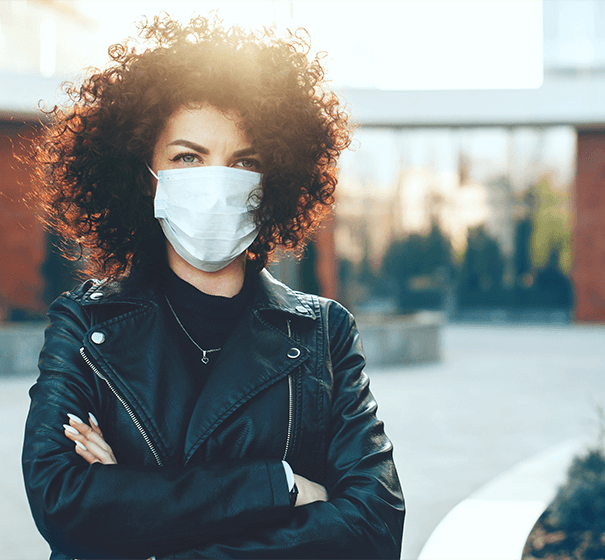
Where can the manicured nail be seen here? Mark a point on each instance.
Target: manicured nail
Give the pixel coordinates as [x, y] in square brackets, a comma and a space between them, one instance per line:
[70, 429]
[81, 445]
[93, 419]
[75, 418]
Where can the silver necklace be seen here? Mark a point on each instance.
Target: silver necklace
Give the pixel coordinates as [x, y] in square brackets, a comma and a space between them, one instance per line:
[205, 358]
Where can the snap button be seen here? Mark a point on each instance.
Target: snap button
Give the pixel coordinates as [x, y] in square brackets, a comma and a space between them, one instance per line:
[96, 296]
[293, 353]
[301, 309]
[97, 337]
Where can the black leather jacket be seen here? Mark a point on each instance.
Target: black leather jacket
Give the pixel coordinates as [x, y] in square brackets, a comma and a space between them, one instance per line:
[201, 477]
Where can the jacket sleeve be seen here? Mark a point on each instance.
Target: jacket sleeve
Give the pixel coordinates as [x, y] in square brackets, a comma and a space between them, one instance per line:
[153, 510]
[364, 515]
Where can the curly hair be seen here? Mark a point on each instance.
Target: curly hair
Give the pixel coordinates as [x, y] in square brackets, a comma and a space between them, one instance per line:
[90, 162]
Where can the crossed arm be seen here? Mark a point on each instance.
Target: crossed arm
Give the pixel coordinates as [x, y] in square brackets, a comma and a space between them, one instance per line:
[92, 447]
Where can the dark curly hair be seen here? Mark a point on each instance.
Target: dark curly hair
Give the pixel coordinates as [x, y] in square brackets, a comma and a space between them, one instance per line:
[90, 162]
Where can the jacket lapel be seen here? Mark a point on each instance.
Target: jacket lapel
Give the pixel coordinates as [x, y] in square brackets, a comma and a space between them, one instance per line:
[254, 357]
[141, 359]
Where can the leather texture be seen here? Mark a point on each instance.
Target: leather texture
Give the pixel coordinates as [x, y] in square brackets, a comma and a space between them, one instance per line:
[201, 476]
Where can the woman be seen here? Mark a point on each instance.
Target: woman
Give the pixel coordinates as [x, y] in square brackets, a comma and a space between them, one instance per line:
[189, 405]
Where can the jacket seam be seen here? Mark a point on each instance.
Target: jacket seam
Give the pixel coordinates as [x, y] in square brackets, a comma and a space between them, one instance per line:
[118, 318]
[321, 389]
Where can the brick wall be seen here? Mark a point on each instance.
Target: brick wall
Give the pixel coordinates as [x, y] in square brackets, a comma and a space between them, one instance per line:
[326, 267]
[22, 238]
[589, 232]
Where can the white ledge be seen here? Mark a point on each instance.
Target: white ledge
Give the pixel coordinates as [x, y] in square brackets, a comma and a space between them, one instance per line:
[561, 100]
[495, 521]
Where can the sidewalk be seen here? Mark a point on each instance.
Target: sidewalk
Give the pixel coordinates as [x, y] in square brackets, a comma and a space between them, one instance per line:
[19, 538]
[500, 396]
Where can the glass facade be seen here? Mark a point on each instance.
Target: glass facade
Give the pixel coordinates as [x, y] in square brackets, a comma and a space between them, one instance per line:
[504, 192]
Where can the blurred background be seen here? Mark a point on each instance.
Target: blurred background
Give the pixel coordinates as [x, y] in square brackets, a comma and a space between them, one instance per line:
[472, 187]
[468, 236]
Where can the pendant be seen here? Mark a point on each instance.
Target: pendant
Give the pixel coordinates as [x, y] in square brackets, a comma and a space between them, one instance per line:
[205, 358]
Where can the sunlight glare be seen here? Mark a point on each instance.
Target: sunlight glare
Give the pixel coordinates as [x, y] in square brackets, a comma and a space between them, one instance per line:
[384, 44]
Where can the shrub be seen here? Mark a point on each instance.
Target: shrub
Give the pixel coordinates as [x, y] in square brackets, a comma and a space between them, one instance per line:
[580, 503]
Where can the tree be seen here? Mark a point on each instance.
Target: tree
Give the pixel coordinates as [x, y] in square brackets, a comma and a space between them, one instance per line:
[551, 229]
[482, 271]
[416, 268]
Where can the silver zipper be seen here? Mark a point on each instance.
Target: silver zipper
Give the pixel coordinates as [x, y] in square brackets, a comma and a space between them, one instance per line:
[290, 404]
[125, 405]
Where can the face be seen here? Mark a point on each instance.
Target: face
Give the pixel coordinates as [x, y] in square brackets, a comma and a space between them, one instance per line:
[202, 137]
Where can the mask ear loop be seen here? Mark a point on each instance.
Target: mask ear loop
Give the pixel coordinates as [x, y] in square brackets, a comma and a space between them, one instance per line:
[152, 171]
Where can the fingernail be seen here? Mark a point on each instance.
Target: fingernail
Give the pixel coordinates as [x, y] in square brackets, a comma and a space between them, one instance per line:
[70, 429]
[74, 418]
[93, 419]
[81, 446]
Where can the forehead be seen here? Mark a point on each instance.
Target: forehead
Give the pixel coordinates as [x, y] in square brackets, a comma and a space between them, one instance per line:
[204, 122]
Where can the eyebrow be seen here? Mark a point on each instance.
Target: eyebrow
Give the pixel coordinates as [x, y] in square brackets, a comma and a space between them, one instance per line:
[203, 150]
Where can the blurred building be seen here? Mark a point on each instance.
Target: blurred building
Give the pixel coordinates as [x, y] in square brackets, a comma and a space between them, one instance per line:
[40, 41]
[566, 115]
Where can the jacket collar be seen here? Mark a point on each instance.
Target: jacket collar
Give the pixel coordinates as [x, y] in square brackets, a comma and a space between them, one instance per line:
[269, 294]
[272, 295]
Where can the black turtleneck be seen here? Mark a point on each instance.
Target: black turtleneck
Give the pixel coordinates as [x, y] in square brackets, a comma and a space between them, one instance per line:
[208, 320]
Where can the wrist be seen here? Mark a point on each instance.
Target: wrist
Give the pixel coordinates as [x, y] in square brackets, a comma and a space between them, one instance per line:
[293, 495]
[290, 479]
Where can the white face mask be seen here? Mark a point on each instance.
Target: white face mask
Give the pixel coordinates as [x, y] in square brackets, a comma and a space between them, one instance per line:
[206, 213]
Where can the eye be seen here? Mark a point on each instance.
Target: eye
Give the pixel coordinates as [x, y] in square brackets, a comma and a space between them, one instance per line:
[248, 164]
[187, 158]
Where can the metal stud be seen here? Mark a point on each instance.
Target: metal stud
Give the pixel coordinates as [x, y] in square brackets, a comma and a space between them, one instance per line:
[293, 353]
[301, 309]
[96, 296]
[97, 337]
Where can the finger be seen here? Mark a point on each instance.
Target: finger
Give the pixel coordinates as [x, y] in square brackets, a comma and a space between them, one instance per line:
[89, 434]
[94, 424]
[80, 448]
[82, 443]
[77, 421]
[98, 446]
[89, 449]
[85, 454]
[103, 456]
[93, 442]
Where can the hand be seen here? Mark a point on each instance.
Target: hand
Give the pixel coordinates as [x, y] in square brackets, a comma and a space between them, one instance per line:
[96, 449]
[309, 491]
[89, 441]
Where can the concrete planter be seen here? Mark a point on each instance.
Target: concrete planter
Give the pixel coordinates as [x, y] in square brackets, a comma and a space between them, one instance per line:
[401, 339]
[20, 344]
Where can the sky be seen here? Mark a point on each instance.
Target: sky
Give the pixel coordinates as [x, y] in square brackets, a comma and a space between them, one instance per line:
[385, 44]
